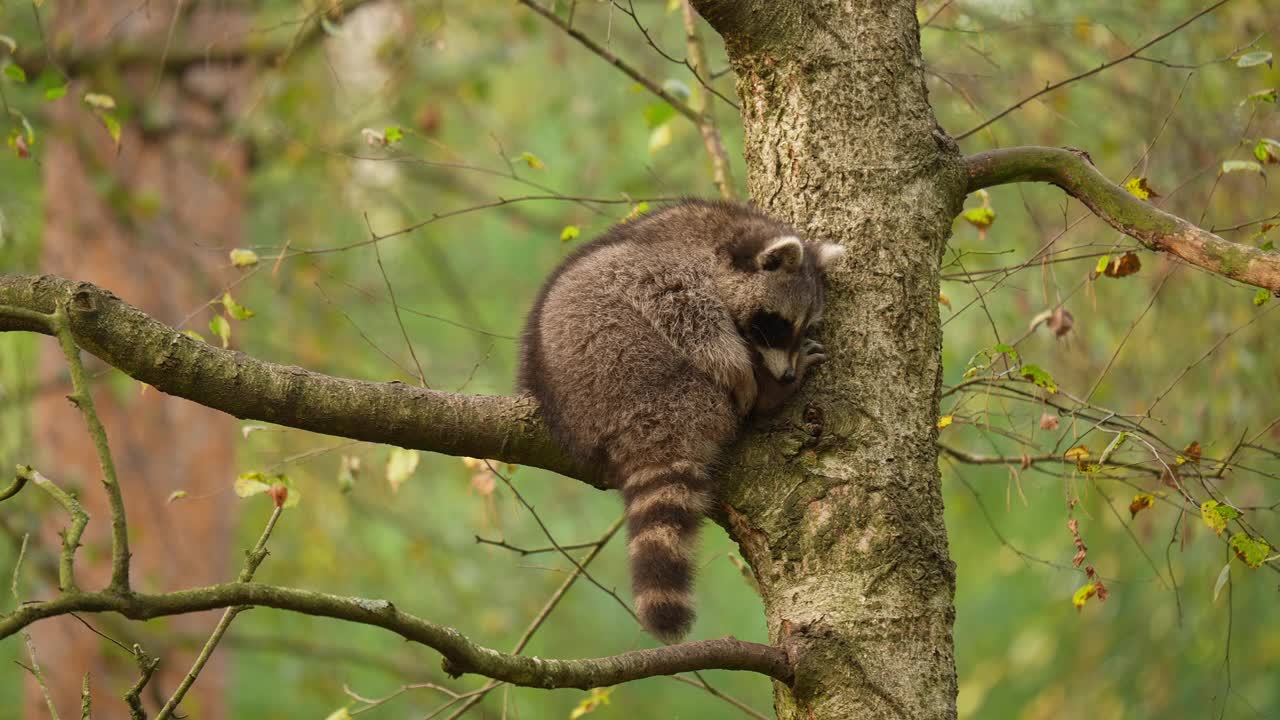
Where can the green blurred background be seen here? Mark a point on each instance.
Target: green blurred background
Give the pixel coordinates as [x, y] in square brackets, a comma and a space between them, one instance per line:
[474, 86]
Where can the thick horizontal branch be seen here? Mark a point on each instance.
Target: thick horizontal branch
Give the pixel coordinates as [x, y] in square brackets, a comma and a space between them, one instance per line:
[461, 655]
[485, 426]
[1154, 228]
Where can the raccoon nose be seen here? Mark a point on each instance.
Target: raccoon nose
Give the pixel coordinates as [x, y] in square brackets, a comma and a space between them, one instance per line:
[788, 377]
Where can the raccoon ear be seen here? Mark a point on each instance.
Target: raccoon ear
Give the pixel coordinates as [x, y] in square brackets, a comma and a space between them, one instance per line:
[827, 254]
[783, 253]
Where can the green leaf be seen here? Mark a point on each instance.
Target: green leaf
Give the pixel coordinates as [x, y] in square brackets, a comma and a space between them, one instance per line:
[221, 328]
[658, 114]
[56, 92]
[570, 232]
[1101, 267]
[1223, 574]
[1230, 166]
[251, 483]
[112, 125]
[1216, 515]
[393, 134]
[1257, 57]
[15, 73]
[637, 210]
[347, 473]
[1250, 551]
[1268, 95]
[533, 161]
[1267, 246]
[256, 483]
[1037, 375]
[242, 258]
[400, 467]
[1261, 297]
[980, 217]
[193, 335]
[1008, 350]
[1267, 151]
[235, 309]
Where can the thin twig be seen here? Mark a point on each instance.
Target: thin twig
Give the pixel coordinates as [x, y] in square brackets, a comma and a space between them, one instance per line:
[70, 536]
[1109, 64]
[253, 559]
[395, 307]
[707, 124]
[595, 47]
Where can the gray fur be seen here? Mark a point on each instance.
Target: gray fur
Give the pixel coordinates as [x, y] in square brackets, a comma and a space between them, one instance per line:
[647, 347]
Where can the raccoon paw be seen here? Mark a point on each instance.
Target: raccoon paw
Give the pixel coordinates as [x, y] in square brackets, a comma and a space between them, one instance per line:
[812, 354]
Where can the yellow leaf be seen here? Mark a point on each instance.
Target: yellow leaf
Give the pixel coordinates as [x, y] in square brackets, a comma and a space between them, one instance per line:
[1083, 594]
[944, 300]
[243, 258]
[1139, 188]
[1078, 452]
[1216, 515]
[598, 697]
[945, 420]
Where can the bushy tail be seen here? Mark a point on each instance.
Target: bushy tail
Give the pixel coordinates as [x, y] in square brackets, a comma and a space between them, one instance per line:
[665, 505]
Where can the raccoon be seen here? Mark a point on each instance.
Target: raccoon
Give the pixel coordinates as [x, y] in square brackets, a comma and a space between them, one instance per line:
[647, 347]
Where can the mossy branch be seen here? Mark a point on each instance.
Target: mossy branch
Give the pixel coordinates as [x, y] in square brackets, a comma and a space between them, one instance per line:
[71, 536]
[1155, 229]
[488, 426]
[461, 655]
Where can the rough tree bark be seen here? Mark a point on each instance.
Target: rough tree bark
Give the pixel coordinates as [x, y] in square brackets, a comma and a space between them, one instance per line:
[838, 507]
[157, 234]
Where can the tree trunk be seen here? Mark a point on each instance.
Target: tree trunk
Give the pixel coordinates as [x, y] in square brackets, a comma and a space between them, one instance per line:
[838, 507]
[153, 222]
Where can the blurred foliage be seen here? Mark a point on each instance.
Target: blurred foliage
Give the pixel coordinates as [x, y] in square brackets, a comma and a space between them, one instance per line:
[409, 115]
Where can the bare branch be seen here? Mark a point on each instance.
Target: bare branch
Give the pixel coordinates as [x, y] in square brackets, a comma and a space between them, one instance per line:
[461, 655]
[488, 426]
[1109, 64]
[1154, 228]
[707, 124]
[252, 560]
[607, 54]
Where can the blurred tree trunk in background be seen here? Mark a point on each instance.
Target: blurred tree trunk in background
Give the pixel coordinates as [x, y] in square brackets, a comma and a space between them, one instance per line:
[153, 221]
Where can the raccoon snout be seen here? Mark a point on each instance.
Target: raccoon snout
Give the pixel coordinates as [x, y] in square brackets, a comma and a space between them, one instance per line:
[788, 377]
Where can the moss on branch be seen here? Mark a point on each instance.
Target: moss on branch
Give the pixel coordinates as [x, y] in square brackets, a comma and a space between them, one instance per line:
[489, 426]
[461, 655]
[1157, 230]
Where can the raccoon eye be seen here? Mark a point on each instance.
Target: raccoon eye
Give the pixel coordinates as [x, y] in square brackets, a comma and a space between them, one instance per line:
[770, 329]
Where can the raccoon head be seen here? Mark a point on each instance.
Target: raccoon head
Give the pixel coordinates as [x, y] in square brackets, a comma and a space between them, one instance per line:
[775, 292]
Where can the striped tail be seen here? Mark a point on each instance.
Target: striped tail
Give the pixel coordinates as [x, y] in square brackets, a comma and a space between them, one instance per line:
[665, 505]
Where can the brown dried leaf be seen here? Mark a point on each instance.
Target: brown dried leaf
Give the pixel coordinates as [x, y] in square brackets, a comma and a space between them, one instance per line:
[1141, 501]
[1048, 422]
[1123, 266]
[1060, 322]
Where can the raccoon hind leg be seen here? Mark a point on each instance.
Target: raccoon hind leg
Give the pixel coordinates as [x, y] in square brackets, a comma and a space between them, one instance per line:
[664, 505]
